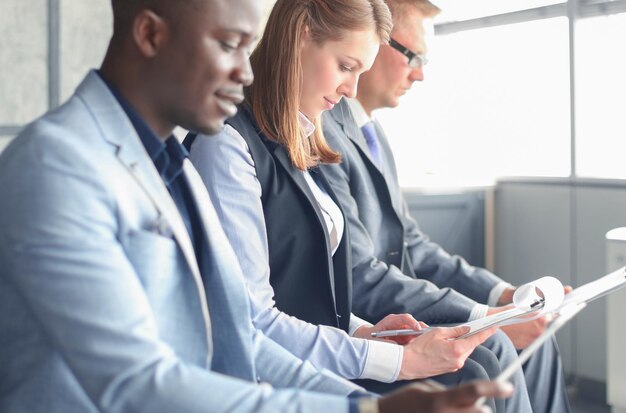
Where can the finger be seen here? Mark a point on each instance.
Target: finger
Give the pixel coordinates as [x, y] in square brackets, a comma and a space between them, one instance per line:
[473, 409]
[422, 325]
[403, 320]
[568, 289]
[480, 337]
[402, 340]
[451, 332]
[468, 394]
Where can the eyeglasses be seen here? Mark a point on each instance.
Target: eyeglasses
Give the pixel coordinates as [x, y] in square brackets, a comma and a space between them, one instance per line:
[415, 60]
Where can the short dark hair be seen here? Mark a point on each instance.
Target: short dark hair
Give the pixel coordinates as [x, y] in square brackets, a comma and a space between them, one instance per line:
[124, 11]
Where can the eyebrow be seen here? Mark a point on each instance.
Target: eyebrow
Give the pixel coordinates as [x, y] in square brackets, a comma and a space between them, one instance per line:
[241, 32]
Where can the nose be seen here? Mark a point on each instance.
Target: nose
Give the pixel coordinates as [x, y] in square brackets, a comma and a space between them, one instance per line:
[243, 72]
[348, 88]
[417, 74]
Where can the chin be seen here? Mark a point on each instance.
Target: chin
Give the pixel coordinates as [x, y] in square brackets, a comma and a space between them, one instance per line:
[393, 103]
[210, 128]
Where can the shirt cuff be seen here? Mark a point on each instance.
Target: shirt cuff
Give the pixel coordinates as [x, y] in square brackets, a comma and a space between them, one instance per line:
[496, 292]
[356, 323]
[383, 361]
[367, 405]
[479, 311]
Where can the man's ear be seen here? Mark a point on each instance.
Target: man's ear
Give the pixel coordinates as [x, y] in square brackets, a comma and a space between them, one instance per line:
[150, 31]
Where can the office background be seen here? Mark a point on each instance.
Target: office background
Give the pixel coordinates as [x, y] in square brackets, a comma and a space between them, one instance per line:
[517, 159]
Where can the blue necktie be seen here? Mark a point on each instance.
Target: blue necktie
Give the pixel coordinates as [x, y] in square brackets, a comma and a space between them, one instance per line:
[371, 137]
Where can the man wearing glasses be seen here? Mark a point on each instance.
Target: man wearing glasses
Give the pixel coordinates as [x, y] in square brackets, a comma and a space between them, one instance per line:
[386, 241]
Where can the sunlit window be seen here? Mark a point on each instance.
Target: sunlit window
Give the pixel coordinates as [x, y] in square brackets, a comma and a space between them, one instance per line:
[495, 102]
[455, 10]
[601, 97]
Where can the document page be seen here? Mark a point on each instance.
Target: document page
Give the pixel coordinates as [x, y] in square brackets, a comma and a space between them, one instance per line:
[597, 288]
[530, 301]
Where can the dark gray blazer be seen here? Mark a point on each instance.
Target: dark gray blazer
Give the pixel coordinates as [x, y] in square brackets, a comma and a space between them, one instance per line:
[386, 241]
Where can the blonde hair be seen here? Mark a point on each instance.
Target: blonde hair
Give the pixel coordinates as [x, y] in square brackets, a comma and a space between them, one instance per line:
[400, 9]
[275, 94]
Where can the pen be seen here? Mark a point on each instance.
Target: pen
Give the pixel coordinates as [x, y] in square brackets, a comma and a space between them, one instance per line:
[403, 332]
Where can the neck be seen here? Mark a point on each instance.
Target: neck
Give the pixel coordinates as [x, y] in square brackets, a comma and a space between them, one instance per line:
[126, 78]
[367, 106]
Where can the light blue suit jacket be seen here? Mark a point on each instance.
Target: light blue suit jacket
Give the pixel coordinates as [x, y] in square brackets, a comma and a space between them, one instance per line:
[103, 305]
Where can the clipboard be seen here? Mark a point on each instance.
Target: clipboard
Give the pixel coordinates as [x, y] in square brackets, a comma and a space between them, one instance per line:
[565, 314]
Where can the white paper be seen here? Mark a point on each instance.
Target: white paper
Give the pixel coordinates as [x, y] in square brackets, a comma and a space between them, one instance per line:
[597, 288]
[537, 298]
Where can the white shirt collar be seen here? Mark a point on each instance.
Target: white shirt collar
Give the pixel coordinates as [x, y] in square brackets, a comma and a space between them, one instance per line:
[307, 126]
[358, 112]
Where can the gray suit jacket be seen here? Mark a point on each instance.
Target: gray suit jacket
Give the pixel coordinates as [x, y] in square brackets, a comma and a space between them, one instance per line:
[385, 237]
[103, 304]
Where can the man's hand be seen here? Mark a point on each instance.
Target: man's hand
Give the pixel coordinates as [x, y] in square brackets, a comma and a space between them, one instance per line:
[392, 322]
[429, 397]
[507, 295]
[522, 334]
[435, 352]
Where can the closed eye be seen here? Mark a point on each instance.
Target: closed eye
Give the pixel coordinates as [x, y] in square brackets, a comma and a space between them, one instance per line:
[228, 47]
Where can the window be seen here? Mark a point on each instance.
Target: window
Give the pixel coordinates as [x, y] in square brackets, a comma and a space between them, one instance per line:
[455, 10]
[493, 98]
[601, 97]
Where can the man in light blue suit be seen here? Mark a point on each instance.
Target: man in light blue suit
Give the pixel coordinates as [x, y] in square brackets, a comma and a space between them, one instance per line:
[118, 294]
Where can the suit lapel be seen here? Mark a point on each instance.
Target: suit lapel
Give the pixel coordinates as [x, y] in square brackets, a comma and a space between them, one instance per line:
[118, 131]
[341, 113]
[143, 171]
[297, 176]
[225, 288]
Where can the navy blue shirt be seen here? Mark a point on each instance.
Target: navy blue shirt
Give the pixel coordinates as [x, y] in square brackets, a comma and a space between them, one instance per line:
[168, 157]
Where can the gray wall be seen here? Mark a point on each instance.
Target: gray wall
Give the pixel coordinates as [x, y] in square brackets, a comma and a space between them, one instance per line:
[542, 227]
[47, 48]
[558, 228]
[24, 59]
[454, 221]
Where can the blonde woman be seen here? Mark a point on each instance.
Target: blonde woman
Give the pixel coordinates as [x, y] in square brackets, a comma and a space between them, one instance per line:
[282, 218]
